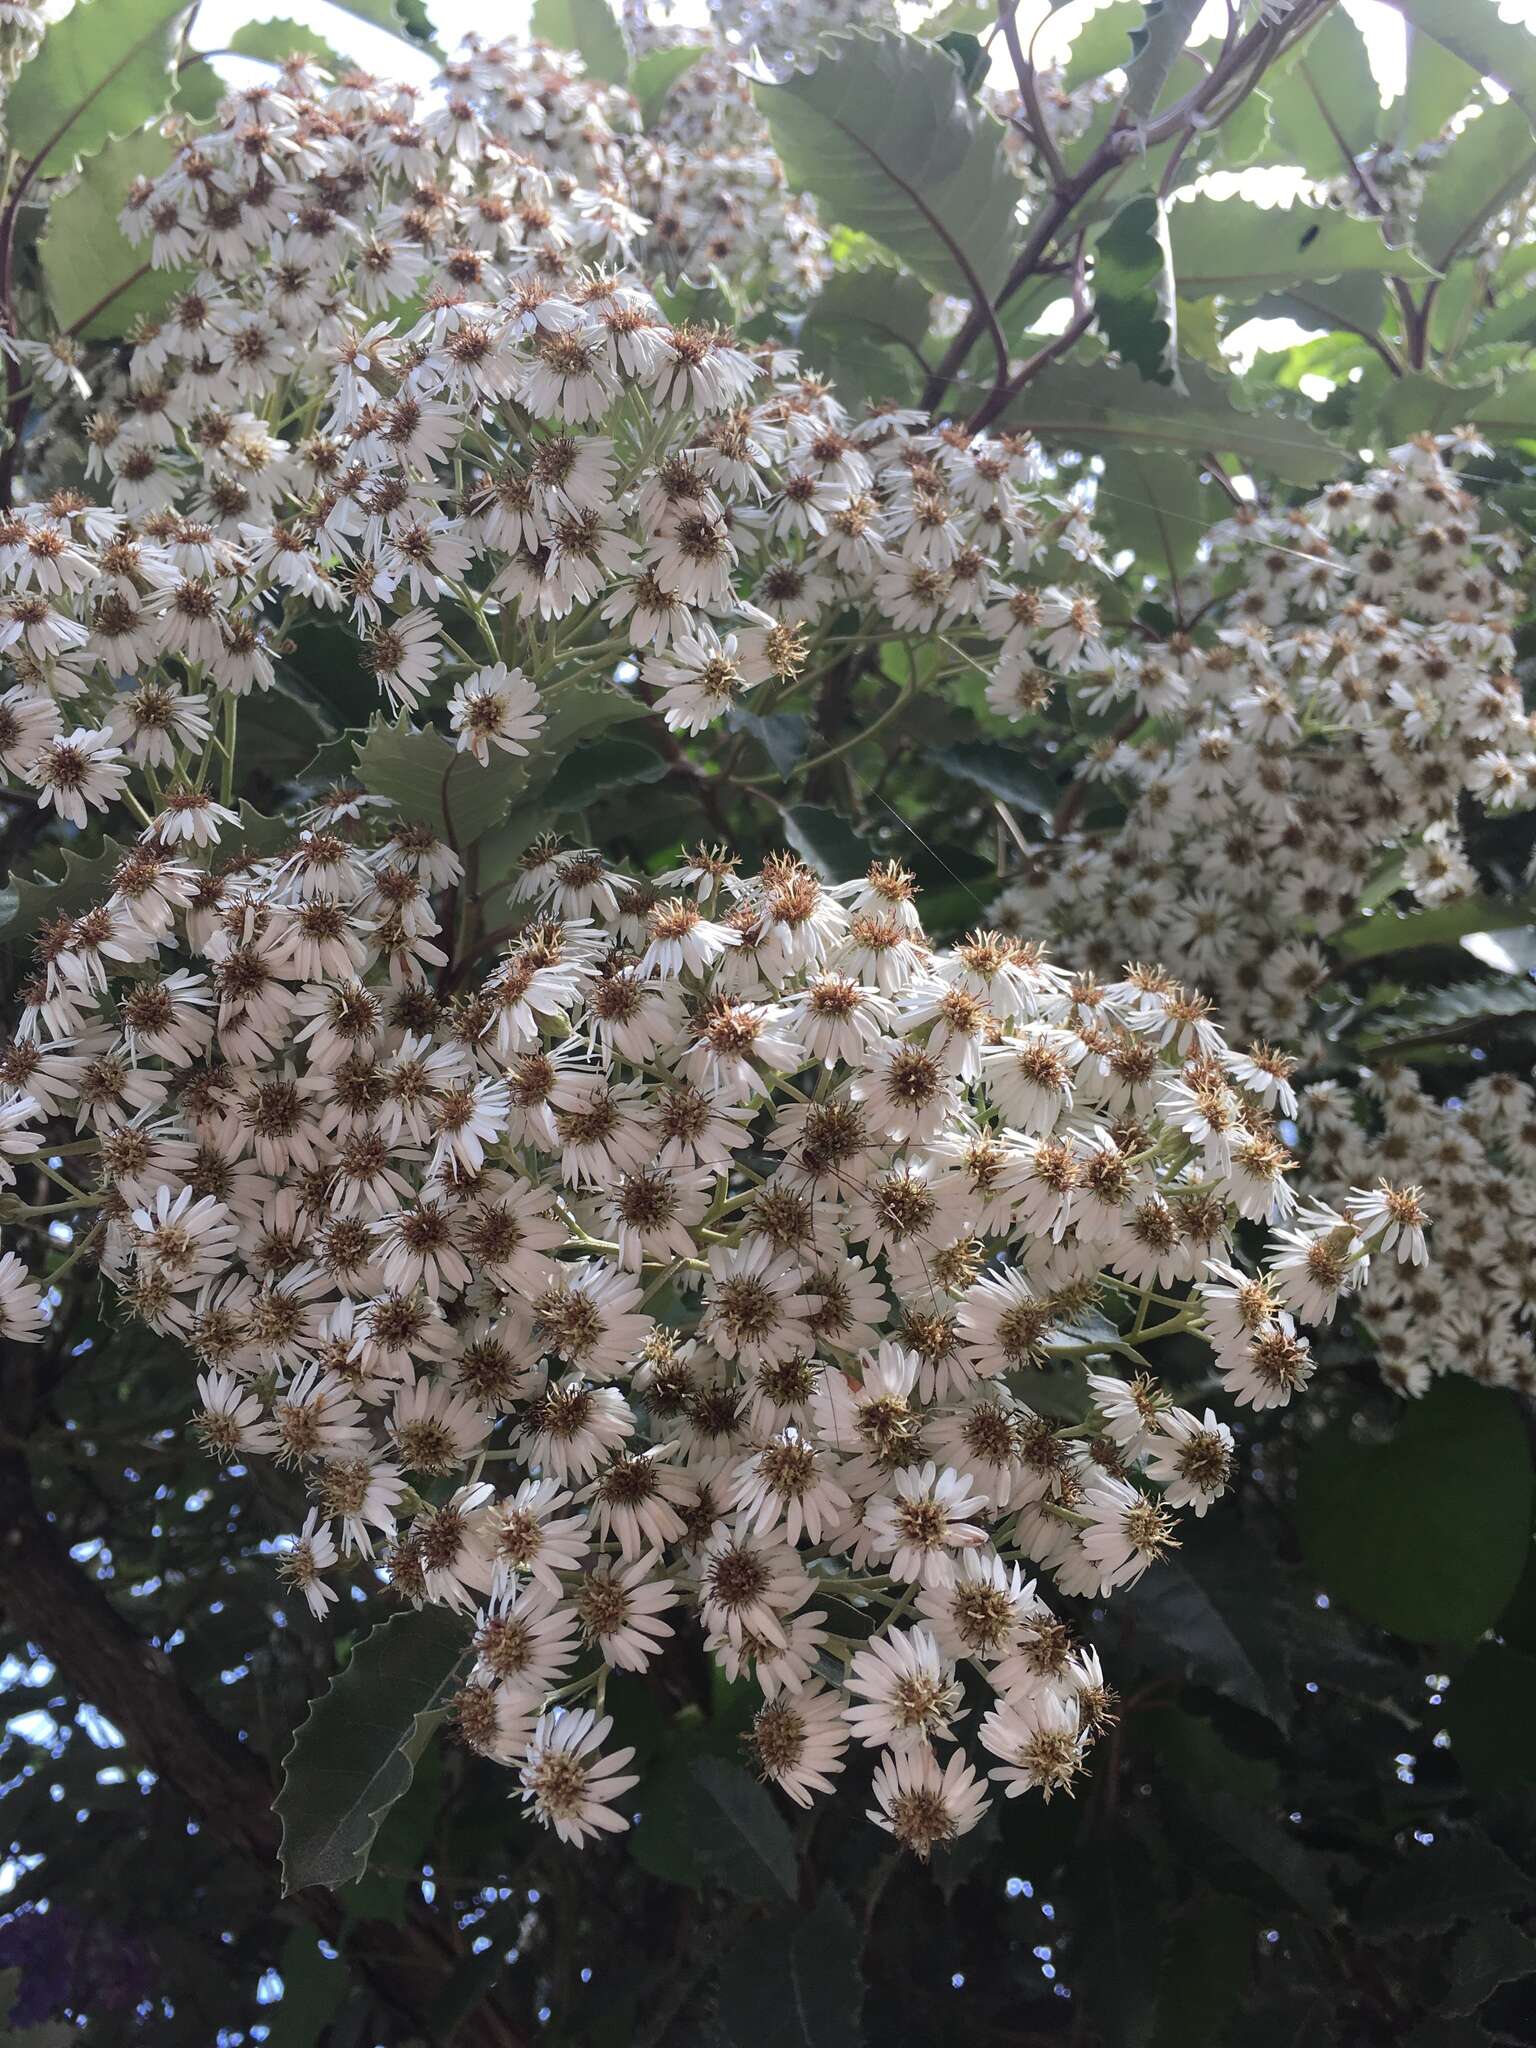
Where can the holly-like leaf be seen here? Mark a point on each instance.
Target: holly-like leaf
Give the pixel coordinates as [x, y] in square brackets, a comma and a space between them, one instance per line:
[1477, 33]
[1418, 402]
[1008, 773]
[26, 901]
[1427, 1533]
[1157, 45]
[1385, 932]
[706, 1821]
[794, 1981]
[274, 41]
[784, 736]
[98, 281]
[1103, 42]
[314, 1985]
[1204, 1614]
[1094, 407]
[104, 70]
[655, 74]
[1508, 412]
[826, 842]
[1491, 161]
[1449, 1012]
[1205, 1972]
[599, 769]
[430, 782]
[1326, 103]
[893, 305]
[355, 1753]
[1459, 1875]
[1241, 249]
[1489, 1712]
[1436, 88]
[1160, 505]
[1490, 1953]
[880, 130]
[865, 329]
[407, 19]
[1133, 289]
[591, 29]
[1119, 1944]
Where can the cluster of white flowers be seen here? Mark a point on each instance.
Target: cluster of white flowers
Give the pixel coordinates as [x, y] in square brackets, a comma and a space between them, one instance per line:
[540, 462]
[1471, 1308]
[714, 192]
[700, 1256]
[1349, 687]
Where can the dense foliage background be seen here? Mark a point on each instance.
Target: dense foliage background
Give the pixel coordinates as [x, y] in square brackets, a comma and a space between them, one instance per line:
[1315, 1819]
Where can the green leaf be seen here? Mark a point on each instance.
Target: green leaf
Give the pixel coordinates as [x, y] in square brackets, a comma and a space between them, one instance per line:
[826, 842]
[1356, 300]
[1427, 1533]
[1437, 87]
[1490, 1953]
[896, 306]
[576, 707]
[969, 54]
[1326, 102]
[784, 736]
[407, 19]
[1133, 289]
[1490, 1711]
[279, 38]
[98, 282]
[1207, 1616]
[30, 900]
[599, 769]
[314, 1986]
[1157, 43]
[1118, 1946]
[1242, 249]
[1450, 1012]
[281, 729]
[1419, 403]
[1076, 405]
[880, 130]
[1490, 162]
[1103, 43]
[1508, 413]
[1475, 31]
[1205, 1972]
[1262, 1843]
[864, 369]
[1460, 1875]
[103, 71]
[794, 1981]
[1245, 134]
[430, 782]
[199, 89]
[1159, 505]
[591, 29]
[354, 1754]
[706, 1821]
[656, 73]
[1002, 771]
[1383, 932]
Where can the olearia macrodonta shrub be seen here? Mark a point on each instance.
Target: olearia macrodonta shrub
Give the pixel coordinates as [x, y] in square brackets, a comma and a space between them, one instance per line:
[698, 1253]
[1469, 1309]
[1343, 699]
[1346, 704]
[690, 1267]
